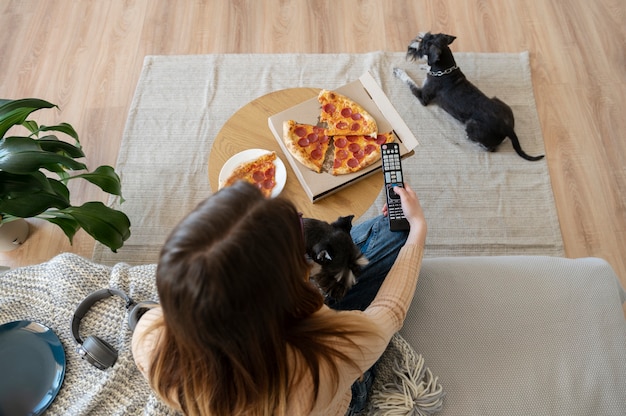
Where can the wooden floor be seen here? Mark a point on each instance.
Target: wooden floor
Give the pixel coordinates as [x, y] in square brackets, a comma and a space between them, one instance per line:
[86, 57]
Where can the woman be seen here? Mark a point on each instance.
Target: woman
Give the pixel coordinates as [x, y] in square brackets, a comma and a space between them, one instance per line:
[241, 330]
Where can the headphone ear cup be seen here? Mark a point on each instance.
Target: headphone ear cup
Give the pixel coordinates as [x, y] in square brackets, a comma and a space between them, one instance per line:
[98, 352]
[136, 312]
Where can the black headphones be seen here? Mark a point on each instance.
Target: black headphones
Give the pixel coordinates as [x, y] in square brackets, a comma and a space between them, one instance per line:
[93, 349]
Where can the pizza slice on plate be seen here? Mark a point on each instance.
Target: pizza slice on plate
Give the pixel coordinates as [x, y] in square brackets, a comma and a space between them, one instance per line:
[308, 144]
[343, 116]
[260, 172]
[355, 152]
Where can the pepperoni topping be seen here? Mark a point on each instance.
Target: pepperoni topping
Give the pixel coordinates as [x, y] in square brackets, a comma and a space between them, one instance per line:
[356, 116]
[329, 108]
[318, 130]
[342, 125]
[304, 142]
[369, 149]
[312, 138]
[316, 154]
[258, 176]
[353, 163]
[300, 131]
[346, 112]
[341, 155]
[354, 147]
[337, 163]
[355, 126]
[359, 155]
[341, 142]
[380, 139]
[324, 139]
[268, 184]
[269, 172]
[352, 138]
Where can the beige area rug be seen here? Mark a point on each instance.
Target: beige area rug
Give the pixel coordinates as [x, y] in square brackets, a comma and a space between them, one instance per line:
[476, 203]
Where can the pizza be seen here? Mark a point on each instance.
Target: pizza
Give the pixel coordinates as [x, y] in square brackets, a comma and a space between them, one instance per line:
[308, 144]
[260, 172]
[355, 152]
[348, 141]
[343, 116]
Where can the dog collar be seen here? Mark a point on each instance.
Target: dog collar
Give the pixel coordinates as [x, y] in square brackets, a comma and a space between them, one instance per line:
[444, 72]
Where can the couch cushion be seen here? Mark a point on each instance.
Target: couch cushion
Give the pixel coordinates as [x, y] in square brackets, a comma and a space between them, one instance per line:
[522, 335]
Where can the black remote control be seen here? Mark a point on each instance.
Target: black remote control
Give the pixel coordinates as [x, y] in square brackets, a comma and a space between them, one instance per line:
[392, 171]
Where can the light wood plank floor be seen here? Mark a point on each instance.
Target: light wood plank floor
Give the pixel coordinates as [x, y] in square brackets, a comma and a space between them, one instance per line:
[86, 57]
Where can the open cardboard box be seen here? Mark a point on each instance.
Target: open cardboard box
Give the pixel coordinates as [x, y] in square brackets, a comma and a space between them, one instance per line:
[368, 94]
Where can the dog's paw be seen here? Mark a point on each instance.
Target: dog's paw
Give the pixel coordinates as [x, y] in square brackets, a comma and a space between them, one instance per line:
[399, 73]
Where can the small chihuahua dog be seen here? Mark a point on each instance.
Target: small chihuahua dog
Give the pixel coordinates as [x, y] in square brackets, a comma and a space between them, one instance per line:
[336, 260]
[488, 121]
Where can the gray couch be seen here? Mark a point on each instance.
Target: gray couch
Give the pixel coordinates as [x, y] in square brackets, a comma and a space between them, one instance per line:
[522, 335]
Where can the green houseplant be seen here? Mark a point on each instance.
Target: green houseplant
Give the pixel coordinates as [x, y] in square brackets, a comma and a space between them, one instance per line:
[35, 169]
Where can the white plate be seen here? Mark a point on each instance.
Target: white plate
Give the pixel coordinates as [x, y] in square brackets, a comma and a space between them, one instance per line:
[247, 156]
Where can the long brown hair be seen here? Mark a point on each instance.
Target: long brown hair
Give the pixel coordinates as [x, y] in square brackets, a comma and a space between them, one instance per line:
[233, 284]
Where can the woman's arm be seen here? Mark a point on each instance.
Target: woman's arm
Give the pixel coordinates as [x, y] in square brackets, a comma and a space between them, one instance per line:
[389, 308]
[391, 304]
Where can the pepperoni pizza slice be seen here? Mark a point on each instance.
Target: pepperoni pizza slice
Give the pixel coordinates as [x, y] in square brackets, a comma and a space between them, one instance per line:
[343, 116]
[308, 144]
[355, 152]
[260, 172]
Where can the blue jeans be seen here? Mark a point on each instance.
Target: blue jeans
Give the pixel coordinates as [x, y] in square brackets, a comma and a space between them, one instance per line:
[381, 247]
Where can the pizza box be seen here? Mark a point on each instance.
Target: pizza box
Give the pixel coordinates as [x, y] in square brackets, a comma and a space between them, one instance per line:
[366, 92]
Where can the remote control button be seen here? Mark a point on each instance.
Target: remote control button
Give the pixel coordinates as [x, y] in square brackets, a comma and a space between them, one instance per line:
[392, 193]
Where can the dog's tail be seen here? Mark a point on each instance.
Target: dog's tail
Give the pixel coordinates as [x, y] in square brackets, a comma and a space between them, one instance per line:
[518, 147]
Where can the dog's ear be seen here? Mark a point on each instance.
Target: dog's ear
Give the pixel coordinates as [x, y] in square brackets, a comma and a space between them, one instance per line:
[344, 223]
[449, 39]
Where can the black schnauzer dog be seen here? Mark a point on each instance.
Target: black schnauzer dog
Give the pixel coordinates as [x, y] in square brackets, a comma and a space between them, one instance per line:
[488, 121]
[336, 260]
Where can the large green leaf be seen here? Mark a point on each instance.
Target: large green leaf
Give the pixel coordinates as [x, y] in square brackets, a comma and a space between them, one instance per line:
[14, 112]
[11, 184]
[53, 144]
[104, 177]
[24, 155]
[106, 225]
[69, 225]
[28, 207]
[27, 196]
[63, 128]
[31, 125]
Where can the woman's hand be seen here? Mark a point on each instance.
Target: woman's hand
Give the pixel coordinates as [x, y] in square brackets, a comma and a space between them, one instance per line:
[413, 212]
